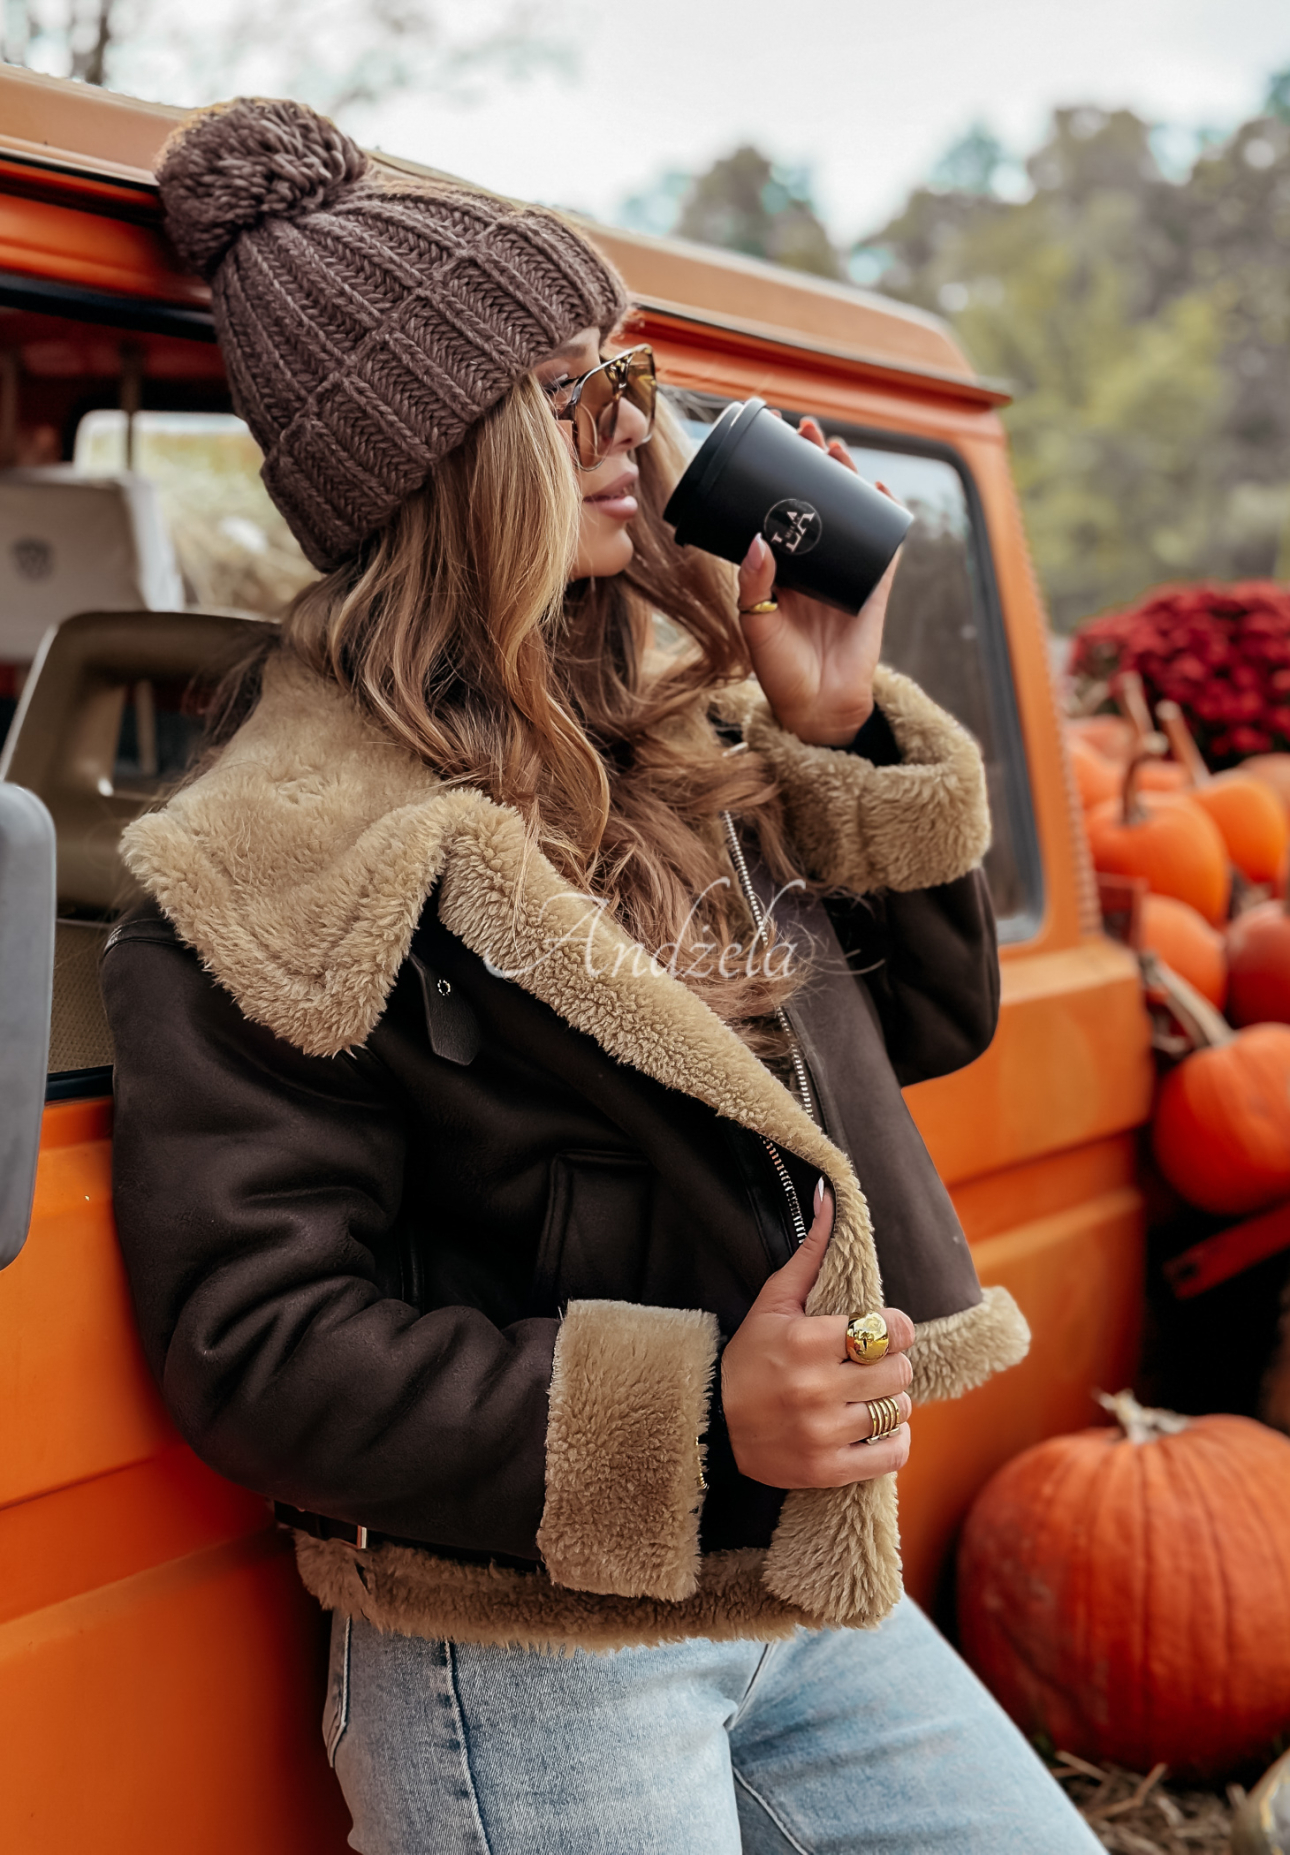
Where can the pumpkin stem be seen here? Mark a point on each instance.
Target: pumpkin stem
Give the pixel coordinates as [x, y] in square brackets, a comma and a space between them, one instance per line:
[1132, 699]
[1139, 1423]
[1132, 810]
[1207, 1028]
[1133, 704]
[1185, 750]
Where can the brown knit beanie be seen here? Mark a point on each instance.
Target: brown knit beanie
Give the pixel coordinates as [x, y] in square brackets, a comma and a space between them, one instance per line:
[367, 320]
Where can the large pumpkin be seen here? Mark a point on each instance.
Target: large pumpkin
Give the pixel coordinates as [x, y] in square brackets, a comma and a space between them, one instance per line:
[1221, 1130]
[1274, 771]
[1187, 944]
[1250, 818]
[1096, 777]
[1165, 839]
[1249, 815]
[1126, 1592]
[1258, 951]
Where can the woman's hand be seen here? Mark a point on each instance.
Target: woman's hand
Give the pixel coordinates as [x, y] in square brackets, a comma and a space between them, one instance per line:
[814, 663]
[794, 1404]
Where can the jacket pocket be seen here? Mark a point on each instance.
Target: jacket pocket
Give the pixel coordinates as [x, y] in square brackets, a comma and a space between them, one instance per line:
[596, 1233]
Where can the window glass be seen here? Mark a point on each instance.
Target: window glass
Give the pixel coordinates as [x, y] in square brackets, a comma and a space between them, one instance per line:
[944, 629]
[233, 547]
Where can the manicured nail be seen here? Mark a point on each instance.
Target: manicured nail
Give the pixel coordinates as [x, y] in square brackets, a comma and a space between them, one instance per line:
[819, 1192]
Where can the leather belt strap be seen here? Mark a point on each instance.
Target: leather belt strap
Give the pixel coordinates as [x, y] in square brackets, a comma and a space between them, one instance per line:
[318, 1526]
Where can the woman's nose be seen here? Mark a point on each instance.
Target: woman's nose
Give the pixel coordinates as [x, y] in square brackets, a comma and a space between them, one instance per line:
[631, 427]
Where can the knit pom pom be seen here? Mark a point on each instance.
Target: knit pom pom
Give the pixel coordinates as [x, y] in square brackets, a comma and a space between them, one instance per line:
[231, 167]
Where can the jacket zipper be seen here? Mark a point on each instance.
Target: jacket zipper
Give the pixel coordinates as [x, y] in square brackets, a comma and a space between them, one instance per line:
[758, 914]
[790, 1190]
[798, 1061]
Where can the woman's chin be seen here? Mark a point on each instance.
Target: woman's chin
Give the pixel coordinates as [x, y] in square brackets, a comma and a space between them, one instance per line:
[603, 555]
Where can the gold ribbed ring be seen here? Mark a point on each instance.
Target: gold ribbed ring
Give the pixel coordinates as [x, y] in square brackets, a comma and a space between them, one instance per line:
[884, 1415]
[866, 1338]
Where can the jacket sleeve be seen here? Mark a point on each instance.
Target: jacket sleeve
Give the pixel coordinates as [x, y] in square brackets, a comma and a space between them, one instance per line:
[859, 825]
[258, 1194]
[930, 956]
[931, 963]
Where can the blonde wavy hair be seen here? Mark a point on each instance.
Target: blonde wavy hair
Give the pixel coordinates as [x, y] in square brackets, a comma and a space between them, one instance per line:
[585, 706]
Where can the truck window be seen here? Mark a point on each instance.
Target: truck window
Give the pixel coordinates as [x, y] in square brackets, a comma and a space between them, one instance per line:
[232, 546]
[945, 629]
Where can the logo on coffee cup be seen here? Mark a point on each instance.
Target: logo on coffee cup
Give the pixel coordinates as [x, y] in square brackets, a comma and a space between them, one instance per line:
[793, 526]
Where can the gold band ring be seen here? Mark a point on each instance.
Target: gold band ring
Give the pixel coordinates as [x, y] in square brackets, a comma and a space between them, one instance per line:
[762, 605]
[866, 1338]
[884, 1415]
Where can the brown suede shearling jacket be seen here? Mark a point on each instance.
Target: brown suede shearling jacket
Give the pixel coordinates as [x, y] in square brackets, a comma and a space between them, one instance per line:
[439, 1198]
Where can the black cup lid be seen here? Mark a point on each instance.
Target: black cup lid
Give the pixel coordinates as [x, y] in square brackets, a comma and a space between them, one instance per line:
[711, 458]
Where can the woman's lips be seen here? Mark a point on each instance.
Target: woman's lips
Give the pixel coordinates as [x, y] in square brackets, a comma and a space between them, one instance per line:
[616, 499]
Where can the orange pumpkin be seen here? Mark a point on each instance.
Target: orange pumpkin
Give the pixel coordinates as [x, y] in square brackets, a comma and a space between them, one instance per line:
[1125, 1592]
[1095, 776]
[1167, 840]
[1162, 776]
[1258, 952]
[1251, 818]
[1274, 771]
[1186, 942]
[1111, 735]
[1221, 1133]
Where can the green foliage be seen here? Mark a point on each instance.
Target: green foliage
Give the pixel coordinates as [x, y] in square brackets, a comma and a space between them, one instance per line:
[1144, 325]
[746, 203]
[974, 164]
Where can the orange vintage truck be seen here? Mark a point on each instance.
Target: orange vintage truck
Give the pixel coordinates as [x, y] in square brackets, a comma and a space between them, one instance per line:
[159, 1665]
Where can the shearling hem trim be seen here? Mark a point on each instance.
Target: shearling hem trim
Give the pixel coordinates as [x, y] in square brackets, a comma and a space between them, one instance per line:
[960, 1351]
[414, 1593]
[624, 1460]
[836, 1551]
[860, 827]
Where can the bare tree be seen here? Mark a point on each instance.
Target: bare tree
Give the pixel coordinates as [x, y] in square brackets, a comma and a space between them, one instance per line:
[332, 53]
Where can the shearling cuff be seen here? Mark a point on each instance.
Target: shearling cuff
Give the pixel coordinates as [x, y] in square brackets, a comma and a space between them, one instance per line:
[960, 1351]
[624, 1457]
[861, 827]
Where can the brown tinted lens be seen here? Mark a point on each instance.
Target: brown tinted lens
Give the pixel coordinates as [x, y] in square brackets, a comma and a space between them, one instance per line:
[642, 388]
[586, 444]
[596, 417]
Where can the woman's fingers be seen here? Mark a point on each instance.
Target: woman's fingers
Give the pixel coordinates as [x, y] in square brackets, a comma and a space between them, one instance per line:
[883, 1458]
[862, 1424]
[852, 1459]
[786, 1290]
[830, 1336]
[886, 1378]
[840, 452]
[756, 574]
[837, 448]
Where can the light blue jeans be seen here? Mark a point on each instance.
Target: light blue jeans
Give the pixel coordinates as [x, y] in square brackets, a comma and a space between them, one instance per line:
[843, 1740]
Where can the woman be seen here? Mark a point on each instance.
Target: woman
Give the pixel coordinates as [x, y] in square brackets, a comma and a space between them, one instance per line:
[490, 1038]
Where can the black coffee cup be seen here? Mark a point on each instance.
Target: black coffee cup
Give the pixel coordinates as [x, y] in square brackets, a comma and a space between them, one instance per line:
[833, 535]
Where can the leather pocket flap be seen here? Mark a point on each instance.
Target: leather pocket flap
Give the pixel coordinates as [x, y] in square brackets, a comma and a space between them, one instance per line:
[452, 1026]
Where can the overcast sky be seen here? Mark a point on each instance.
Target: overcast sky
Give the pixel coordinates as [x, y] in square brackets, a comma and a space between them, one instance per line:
[868, 94]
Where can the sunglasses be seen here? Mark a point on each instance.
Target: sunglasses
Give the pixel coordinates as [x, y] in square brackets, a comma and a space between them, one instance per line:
[590, 403]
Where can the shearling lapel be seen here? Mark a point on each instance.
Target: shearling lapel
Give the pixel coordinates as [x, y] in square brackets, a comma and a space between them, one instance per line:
[298, 868]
